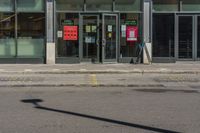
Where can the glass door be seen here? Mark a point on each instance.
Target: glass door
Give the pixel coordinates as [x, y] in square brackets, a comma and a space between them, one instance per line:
[185, 38]
[109, 38]
[90, 38]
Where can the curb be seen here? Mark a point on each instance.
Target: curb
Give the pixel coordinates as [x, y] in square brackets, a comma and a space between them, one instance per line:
[105, 72]
[82, 85]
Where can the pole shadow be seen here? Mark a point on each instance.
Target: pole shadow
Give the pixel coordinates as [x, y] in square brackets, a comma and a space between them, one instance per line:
[36, 104]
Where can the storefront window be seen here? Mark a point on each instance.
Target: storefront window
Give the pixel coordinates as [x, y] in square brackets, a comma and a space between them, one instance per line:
[7, 28]
[68, 43]
[128, 48]
[99, 5]
[128, 5]
[190, 5]
[165, 5]
[31, 33]
[163, 35]
[6, 5]
[70, 5]
[30, 5]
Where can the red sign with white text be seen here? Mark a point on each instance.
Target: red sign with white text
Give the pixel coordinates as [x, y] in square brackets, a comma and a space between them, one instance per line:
[131, 33]
[70, 33]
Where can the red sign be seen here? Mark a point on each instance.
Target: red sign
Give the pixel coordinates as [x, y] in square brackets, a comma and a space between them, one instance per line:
[131, 33]
[70, 33]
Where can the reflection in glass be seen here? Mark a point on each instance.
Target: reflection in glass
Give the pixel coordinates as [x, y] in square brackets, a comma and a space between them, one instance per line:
[31, 33]
[72, 5]
[6, 5]
[165, 5]
[7, 28]
[163, 35]
[30, 5]
[98, 5]
[67, 48]
[128, 5]
[185, 37]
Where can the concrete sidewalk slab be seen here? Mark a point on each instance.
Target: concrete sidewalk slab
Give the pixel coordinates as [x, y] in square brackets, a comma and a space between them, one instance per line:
[88, 68]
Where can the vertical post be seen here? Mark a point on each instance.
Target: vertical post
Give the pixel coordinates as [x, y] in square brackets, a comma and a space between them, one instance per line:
[50, 41]
[147, 29]
[16, 27]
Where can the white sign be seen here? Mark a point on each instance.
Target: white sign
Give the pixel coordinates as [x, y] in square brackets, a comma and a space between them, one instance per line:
[59, 34]
[123, 28]
[109, 28]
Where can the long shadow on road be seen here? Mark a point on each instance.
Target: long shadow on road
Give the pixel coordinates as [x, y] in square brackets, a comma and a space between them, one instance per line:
[37, 106]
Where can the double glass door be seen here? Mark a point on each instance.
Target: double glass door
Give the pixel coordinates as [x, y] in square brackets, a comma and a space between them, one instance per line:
[98, 38]
[188, 37]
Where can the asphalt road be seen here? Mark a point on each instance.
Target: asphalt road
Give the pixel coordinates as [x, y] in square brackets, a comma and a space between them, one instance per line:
[99, 109]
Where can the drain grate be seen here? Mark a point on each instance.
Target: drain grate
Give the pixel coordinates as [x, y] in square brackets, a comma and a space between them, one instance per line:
[21, 79]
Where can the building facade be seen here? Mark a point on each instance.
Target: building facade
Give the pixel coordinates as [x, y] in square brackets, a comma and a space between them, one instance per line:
[99, 31]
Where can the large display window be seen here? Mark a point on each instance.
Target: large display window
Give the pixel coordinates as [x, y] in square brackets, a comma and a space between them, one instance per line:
[7, 35]
[68, 44]
[163, 35]
[31, 33]
[22, 31]
[130, 23]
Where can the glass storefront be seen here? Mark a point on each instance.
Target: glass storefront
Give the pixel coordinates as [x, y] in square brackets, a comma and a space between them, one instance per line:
[176, 29]
[163, 35]
[129, 49]
[31, 33]
[100, 34]
[67, 48]
[185, 40]
[7, 35]
[27, 38]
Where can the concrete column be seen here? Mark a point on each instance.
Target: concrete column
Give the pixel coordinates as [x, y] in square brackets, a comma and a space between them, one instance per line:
[50, 45]
[147, 56]
[147, 31]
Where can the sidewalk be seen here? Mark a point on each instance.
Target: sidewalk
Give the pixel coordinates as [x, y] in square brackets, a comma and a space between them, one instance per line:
[88, 68]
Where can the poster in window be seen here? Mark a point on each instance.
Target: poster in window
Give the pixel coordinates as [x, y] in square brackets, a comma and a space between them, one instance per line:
[70, 33]
[131, 33]
[87, 28]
